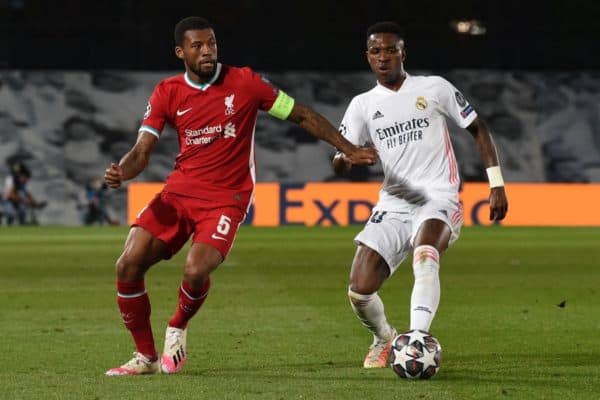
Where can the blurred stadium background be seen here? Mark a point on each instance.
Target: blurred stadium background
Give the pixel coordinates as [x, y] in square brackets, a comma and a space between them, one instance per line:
[75, 77]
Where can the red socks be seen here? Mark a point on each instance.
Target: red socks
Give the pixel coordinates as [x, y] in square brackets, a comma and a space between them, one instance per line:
[135, 311]
[189, 302]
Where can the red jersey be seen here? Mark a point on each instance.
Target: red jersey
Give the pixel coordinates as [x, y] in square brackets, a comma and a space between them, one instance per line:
[215, 124]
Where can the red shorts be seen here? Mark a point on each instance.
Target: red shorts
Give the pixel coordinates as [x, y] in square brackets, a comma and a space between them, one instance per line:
[173, 218]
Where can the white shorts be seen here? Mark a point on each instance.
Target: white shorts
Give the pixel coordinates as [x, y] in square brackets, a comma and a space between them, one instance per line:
[392, 233]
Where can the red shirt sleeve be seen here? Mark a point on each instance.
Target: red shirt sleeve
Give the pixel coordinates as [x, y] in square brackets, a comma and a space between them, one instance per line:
[264, 91]
[156, 111]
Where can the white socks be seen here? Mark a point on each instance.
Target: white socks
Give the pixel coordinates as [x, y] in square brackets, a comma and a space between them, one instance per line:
[425, 296]
[424, 300]
[369, 310]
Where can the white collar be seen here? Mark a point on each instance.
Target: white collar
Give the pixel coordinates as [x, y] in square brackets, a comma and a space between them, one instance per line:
[203, 86]
[406, 78]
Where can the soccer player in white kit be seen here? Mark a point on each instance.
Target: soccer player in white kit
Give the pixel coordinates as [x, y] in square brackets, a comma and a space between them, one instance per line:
[403, 117]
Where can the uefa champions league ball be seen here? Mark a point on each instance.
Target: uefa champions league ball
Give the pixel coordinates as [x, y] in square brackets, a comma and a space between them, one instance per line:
[416, 354]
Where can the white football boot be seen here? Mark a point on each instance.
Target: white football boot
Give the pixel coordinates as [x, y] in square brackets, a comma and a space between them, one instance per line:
[175, 351]
[138, 365]
[379, 351]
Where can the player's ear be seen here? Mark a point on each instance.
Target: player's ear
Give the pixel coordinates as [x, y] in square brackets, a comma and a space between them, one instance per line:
[179, 52]
[403, 50]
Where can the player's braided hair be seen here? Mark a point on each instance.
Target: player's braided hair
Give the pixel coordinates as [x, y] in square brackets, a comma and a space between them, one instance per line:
[189, 23]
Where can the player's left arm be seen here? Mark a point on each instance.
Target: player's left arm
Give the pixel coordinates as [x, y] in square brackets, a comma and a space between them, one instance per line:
[285, 107]
[320, 127]
[489, 155]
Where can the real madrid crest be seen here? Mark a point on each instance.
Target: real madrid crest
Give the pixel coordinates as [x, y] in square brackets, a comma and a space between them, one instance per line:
[421, 103]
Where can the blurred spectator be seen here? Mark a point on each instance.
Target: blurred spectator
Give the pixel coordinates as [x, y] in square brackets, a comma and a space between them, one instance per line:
[93, 203]
[17, 203]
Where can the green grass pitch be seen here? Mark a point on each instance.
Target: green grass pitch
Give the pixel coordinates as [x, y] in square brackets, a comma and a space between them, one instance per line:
[519, 318]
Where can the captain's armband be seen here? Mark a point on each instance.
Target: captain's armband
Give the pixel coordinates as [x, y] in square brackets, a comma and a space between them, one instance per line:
[283, 106]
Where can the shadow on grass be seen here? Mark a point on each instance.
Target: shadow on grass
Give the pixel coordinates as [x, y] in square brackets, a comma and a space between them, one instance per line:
[539, 371]
[322, 371]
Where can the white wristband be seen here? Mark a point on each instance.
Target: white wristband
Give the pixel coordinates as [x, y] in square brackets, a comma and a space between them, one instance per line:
[495, 176]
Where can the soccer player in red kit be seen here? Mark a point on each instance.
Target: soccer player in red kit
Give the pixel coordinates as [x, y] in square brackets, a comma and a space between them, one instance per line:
[213, 108]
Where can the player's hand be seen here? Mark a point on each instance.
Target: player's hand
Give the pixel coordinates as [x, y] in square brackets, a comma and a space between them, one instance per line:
[498, 204]
[362, 155]
[341, 164]
[113, 176]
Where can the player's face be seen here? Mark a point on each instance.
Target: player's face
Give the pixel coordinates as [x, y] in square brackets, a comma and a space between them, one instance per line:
[385, 53]
[199, 52]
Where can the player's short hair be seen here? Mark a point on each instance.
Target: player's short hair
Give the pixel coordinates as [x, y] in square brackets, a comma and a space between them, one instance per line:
[385, 27]
[187, 24]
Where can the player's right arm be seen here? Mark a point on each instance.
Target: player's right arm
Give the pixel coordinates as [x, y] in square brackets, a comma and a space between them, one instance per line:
[136, 159]
[132, 163]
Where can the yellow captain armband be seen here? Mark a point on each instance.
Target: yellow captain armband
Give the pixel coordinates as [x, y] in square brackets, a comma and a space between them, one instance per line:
[283, 106]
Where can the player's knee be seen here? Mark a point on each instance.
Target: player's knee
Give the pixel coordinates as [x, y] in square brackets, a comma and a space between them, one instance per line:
[127, 268]
[197, 272]
[365, 281]
[426, 262]
[200, 263]
[195, 276]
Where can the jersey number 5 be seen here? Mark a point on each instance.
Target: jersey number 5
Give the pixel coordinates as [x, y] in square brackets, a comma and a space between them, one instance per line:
[224, 225]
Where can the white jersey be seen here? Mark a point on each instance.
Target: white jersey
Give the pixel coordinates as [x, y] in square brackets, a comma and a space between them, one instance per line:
[408, 128]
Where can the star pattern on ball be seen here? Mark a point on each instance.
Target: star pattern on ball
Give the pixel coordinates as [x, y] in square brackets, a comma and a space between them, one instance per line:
[428, 359]
[417, 357]
[401, 357]
[417, 335]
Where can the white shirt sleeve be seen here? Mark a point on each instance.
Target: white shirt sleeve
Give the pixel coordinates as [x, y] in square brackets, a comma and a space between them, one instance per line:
[453, 104]
[353, 126]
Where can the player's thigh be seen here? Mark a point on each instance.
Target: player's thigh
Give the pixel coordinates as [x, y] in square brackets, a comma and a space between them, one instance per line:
[437, 223]
[388, 234]
[201, 260]
[218, 228]
[166, 219]
[142, 250]
[369, 270]
[433, 232]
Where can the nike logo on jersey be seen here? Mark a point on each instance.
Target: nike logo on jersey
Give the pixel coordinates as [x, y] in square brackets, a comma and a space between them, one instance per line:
[180, 113]
[218, 237]
[377, 114]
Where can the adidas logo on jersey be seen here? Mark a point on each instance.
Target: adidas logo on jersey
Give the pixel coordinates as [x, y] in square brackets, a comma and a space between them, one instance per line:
[377, 114]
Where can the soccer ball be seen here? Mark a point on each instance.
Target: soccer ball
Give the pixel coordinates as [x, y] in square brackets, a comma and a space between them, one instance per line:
[416, 354]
